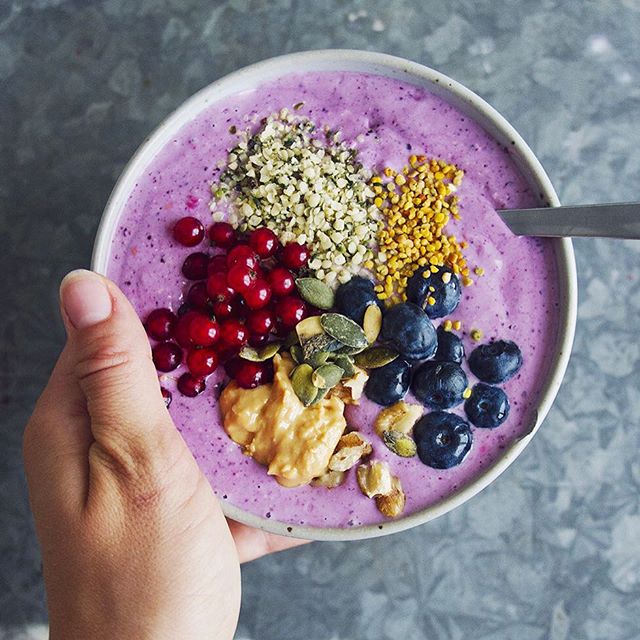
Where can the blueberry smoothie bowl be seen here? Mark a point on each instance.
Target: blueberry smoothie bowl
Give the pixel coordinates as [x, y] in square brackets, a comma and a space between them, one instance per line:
[348, 338]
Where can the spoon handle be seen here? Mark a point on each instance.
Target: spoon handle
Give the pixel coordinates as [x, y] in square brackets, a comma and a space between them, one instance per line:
[618, 220]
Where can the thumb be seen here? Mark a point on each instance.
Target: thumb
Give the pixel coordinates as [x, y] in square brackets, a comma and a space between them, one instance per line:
[108, 354]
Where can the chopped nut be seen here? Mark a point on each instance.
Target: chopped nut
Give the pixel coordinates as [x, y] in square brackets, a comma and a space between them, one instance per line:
[374, 479]
[398, 417]
[392, 505]
[351, 448]
[350, 390]
[329, 479]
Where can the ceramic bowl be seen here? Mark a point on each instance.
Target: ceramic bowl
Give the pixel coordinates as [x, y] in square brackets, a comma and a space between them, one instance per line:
[474, 107]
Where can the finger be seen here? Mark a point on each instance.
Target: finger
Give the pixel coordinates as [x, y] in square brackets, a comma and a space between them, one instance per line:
[254, 543]
[110, 360]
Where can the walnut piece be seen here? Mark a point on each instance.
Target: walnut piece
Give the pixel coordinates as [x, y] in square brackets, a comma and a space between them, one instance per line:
[329, 479]
[352, 388]
[398, 417]
[392, 505]
[374, 479]
[351, 448]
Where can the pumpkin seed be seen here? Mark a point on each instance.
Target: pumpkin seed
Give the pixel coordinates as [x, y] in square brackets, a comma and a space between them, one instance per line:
[315, 292]
[318, 359]
[343, 329]
[346, 364]
[350, 351]
[320, 395]
[400, 443]
[318, 343]
[328, 375]
[296, 353]
[372, 322]
[260, 355]
[375, 357]
[302, 384]
[308, 328]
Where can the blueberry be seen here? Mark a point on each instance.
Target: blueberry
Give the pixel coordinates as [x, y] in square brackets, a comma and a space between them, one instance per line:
[410, 331]
[450, 347]
[353, 298]
[390, 383]
[443, 439]
[446, 294]
[496, 361]
[439, 385]
[487, 406]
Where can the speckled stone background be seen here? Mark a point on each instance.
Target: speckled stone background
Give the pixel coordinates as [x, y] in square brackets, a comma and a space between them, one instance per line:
[550, 550]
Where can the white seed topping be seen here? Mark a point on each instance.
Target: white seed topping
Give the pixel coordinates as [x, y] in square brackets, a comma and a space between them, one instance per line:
[308, 187]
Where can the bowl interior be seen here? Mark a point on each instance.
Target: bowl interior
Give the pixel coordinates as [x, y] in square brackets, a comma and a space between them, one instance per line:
[469, 103]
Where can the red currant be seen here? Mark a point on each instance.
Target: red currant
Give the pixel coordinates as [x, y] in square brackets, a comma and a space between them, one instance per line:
[261, 321]
[242, 254]
[289, 311]
[233, 333]
[198, 297]
[166, 396]
[294, 255]
[222, 234]
[195, 266]
[251, 374]
[258, 295]
[188, 231]
[232, 365]
[203, 331]
[190, 386]
[282, 281]
[166, 356]
[217, 263]
[258, 339]
[182, 309]
[264, 242]
[218, 287]
[202, 362]
[160, 323]
[182, 333]
[241, 277]
[226, 352]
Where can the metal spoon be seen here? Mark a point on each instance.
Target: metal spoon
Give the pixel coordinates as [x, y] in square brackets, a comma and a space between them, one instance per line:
[618, 220]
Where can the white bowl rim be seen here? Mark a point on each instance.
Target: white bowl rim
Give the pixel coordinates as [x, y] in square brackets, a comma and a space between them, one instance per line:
[481, 112]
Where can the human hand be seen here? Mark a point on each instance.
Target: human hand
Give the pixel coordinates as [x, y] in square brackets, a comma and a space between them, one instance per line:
[134, 543]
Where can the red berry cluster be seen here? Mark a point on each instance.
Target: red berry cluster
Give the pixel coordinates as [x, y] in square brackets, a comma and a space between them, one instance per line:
[240, 295]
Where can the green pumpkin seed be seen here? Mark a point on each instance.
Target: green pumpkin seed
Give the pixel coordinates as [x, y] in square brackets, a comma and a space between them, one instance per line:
[346, 364]
[303, 385]
[309, 328]
[260, 355]
[315, 292]
[318, 359]
[296, 353]
[319, 343]
[320, 395]
[375, 357]
[343, 329]
[350, 351]
[400, 443]
[372, 322]
[328, 375]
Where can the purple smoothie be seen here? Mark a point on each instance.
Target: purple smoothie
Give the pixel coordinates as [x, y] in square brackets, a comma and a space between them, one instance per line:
[517, 298]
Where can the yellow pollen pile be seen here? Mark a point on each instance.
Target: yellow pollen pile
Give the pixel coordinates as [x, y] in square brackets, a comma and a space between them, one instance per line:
[416, 204]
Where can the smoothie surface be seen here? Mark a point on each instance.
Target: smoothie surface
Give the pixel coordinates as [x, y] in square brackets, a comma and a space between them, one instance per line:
[516, 299]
